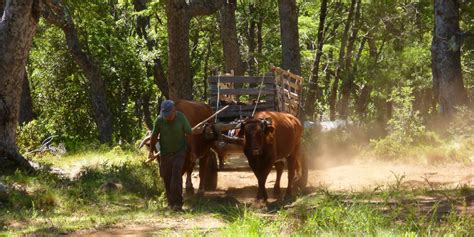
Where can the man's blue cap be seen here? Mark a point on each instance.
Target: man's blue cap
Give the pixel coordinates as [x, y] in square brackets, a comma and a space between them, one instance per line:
[166, 108]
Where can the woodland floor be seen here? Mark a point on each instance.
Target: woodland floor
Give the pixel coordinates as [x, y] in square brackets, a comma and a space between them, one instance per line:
[237, 184]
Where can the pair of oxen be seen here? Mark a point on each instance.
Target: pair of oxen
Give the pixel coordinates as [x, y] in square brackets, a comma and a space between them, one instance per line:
[268, 139]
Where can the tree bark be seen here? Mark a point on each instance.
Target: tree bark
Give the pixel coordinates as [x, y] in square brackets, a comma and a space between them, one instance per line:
[250, 29]
[179, 64]
[289, 36]
[348, 74]
[179, 14]
[260, 35]
[26, 104]
[340, 64]
[206, 68]
[156, 70]
[446, 57]
[146, 110]
[17, 28]
[314, 89]
[57, 15]
[229, 39]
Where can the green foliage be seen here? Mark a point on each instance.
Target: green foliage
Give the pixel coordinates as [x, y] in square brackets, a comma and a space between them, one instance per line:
[31, 135]
[405, 129]
[462, 124]
[83, 201]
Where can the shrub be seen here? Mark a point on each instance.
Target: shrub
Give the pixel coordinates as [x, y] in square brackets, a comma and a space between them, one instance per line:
[405, 128]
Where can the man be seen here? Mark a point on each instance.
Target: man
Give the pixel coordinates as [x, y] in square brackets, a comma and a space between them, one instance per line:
[173, 127]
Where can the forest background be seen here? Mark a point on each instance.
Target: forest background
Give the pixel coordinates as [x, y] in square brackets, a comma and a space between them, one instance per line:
[97, 70]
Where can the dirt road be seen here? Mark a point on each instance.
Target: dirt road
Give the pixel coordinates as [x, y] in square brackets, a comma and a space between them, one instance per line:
[238, 182]
[237, 179]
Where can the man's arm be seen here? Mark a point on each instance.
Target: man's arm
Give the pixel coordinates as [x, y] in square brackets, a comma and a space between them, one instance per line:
[187, 126]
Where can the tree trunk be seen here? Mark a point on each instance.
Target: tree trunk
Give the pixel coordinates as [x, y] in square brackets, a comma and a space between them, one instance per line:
[17, 28]
[250, 29]
[229, 39]
[348, 74]
[314, 89]
[364, 96]
[206, 68]
[146, 110]
[260, 35]
[446, 57]
[179, 64]
[289, 36]
[363, 100]
[156, 70]
[340, 64]
[179, 14]
[26, 104]
[58, 16]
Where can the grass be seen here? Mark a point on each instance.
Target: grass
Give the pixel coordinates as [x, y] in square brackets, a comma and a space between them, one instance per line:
[55, 203]
[385, 213]
[52, 203]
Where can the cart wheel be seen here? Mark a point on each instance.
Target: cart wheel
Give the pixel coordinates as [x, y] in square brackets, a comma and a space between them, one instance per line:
[210, 183]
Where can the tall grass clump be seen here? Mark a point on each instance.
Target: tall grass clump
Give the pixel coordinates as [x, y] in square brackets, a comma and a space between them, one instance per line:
[385, 213]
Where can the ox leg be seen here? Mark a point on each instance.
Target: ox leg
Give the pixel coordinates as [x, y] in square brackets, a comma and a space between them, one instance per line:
[189, 182]
[262, 179]
[262, 192]
[291, 176]
[203, 163]
[221, 160]
[279, 171]
[189, 171]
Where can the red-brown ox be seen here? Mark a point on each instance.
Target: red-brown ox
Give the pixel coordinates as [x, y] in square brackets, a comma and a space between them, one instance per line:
[269, 139]
[199, 147]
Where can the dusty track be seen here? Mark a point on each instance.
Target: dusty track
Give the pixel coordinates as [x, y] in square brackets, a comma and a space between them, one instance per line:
[237, 179]
[238, 183]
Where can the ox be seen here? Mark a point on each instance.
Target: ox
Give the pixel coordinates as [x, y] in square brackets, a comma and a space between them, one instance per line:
[269, 139]
[199, 147]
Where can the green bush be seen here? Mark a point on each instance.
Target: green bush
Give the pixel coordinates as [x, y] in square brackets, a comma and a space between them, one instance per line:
[405, 129]
[31, 135]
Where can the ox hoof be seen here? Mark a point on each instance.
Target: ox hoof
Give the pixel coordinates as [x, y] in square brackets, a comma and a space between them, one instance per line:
[261, 203]
[289, 197]
[200, 193]
[189, 190]
[276, 192]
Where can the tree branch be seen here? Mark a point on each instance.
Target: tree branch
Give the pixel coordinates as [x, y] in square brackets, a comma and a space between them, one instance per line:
[204, 7]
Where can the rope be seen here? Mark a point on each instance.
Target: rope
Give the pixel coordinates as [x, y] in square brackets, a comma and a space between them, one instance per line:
[258, 98]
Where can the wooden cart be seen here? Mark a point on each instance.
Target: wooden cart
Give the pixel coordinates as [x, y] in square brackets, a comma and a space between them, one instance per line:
[278, 90]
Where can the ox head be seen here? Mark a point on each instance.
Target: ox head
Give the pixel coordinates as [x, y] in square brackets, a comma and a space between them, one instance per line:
[257, 134]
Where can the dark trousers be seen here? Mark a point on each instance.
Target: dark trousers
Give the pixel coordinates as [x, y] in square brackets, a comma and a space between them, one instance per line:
[171, 168]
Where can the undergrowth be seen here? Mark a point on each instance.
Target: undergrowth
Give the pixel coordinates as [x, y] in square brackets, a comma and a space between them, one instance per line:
[110, 187]
[116, 187]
